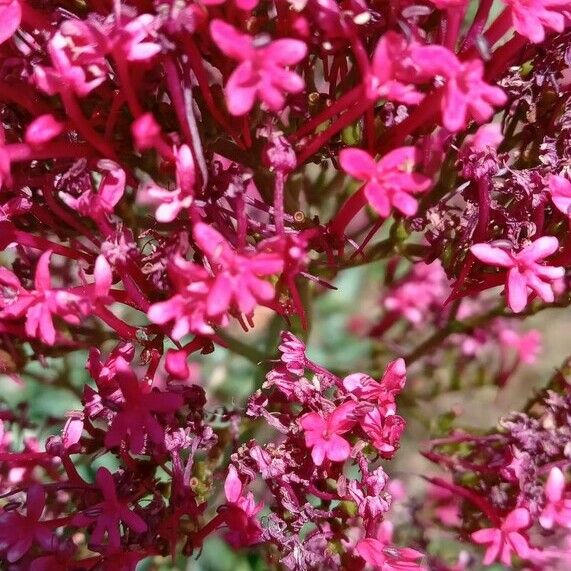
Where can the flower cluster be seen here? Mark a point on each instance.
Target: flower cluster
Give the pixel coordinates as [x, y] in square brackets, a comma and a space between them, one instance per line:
[185, 179]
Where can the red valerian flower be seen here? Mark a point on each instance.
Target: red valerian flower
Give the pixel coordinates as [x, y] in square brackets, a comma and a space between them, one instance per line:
[383, 431]
[106, 516]
[468, 96]
[525, 273]
[262, 70]
[383, 392]
[323, 433]
[135, 420]
[506, 539]
[10, 16]
[531, 17]
[557, 509]
[560, 190]
[237, 281]
[40, 305]
[241, 513]
[388, 182]
[381, 554]
[18, 532]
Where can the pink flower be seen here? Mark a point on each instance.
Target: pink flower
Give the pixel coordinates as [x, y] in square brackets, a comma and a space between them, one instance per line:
[244, 527]
[383, 392]
[43, 129]
[107, 515]
[525, 273]
[146, 131]
[557, 509]
[77, 57]
[468, 96]
[187, 308]
[384, 431]
[322, 433]
[527, 345]
[531, 17]
[393, 71]
[10, 16]
[18, 532]
[560, 189]
[381, 554]
[506, 539]
[171, 202]
[262, 70]
[424, 289]
[40, 305]
[388, 182]
[109, 192]
[130, 38]
[237, 278]
[242, 4]
[135, 420]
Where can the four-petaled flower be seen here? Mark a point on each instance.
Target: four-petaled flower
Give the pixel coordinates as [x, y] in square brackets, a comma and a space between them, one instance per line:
[525, 273]
[107, 515]
[323, 433]
[502, 542]
[262, 70]
[388, 182]
[557, 509]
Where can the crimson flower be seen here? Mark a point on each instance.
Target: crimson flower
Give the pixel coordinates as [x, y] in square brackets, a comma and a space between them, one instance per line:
[525, 273]
[323, 433]
[262, 70]
[388, 182]
[18, 532]
[106, 516]
[136, 419]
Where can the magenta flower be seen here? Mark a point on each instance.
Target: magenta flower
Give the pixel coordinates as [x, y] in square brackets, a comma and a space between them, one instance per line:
[136, 418]
[393, 71]
[381, 554]
[262, 70]
[106, 516]
[388, 182]
[237, 282]
[383, 392]
[187, 308]
[560, 190]
[244, 527]
[525, 273]
[527, 345]
[323, 433]
[384, 431]
[532, 17]
[40, 305]
[43, 129]
[171, 202]
[78, 61]
[133, 38]
[467, 96]
[502, 542]
[18, 532]
[10, 16]
[557, 509]
[99, 205]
